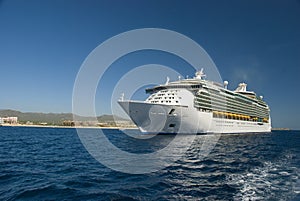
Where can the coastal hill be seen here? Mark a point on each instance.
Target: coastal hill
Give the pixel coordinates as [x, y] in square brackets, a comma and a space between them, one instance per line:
[54, 118]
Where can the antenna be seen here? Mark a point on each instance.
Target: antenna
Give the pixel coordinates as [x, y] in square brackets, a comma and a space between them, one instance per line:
[122, 97]
[167, 82]
[200, 74]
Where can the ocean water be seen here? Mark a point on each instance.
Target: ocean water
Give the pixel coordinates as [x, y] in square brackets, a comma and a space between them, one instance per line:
[52, 164]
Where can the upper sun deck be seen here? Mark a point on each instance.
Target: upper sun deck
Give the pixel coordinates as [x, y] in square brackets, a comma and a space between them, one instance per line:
[242, 89]
[173, 85]
[194, 83]
[197, 82]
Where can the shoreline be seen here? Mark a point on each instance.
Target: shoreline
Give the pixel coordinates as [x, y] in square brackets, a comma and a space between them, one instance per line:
[280, 129]
[53, 126]
[95, 127]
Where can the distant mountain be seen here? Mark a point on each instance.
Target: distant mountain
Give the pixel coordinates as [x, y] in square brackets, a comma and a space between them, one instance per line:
[53, 118]
[108, 117]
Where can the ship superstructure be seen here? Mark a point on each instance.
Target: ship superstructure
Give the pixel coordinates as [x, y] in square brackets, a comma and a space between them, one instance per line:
[197, 105]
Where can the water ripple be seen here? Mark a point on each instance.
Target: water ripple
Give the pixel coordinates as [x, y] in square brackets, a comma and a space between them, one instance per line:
[52, 164]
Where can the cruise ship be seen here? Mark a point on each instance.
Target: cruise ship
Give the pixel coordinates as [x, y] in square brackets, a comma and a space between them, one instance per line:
[197, 105]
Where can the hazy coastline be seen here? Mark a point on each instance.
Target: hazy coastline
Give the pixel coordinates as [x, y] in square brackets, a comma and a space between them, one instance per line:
[57, 126]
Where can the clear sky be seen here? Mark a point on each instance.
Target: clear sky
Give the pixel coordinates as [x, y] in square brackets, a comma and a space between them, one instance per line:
[44, 43]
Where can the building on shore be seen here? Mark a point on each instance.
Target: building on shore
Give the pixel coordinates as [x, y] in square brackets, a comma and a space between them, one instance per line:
[8, 120]
[68, 123]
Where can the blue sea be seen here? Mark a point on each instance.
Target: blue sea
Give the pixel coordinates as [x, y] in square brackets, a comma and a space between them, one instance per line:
[53, 164]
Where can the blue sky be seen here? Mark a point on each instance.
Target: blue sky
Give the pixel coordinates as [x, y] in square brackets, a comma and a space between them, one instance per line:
[44, 43]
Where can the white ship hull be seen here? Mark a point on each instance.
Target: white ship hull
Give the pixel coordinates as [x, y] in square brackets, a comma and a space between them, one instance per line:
[199, 106]
[155, 118]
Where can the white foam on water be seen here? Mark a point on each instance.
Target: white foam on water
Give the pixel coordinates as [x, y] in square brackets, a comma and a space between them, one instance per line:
[274, 180]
